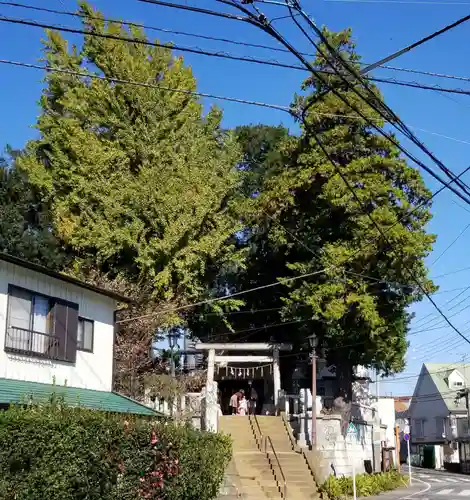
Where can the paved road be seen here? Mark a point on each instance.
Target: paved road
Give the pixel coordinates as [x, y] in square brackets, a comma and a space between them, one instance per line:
[442, 485]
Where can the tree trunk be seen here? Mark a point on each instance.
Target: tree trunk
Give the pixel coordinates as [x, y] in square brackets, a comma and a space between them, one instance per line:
[344, 378]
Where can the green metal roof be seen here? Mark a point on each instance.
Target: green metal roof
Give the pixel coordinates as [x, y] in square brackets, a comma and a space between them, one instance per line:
[439, 372]
[17, 391]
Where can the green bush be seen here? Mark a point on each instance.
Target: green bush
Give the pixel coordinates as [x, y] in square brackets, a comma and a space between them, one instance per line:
[52, 452]
[366, 484]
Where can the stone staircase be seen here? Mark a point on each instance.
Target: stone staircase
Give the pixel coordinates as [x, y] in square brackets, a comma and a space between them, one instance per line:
[298, 476]
[259, 473]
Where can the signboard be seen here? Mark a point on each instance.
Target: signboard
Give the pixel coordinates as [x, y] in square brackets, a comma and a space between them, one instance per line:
[351, 434]
[352, 430]
[406, 437]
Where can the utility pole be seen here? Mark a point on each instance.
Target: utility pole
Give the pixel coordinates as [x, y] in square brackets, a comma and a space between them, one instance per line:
[377, 393]
[397, 447]
[464, 393]
[313, 345]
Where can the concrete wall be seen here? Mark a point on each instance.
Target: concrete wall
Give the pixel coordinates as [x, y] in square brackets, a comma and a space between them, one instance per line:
[338, 453]
[91, 370]
[386, 410]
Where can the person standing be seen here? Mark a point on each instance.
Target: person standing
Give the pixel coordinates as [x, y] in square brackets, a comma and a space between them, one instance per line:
[242, 406]
[234, 403]
[253, 399]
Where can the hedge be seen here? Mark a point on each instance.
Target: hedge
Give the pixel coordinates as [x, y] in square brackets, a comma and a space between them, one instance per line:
[366, 484]
[53, 452]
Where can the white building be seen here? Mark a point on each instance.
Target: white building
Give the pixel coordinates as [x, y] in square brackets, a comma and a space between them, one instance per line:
[437, 417]
[57, 334]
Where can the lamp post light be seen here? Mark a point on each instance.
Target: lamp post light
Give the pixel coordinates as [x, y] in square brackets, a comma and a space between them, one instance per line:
[172, 344]
[313, 341]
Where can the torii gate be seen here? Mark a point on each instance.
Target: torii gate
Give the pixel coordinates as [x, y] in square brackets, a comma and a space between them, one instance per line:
[272, 357]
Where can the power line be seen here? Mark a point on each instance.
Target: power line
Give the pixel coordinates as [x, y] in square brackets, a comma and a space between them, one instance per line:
[449, 291]
[397, 122]
[367, 243]
[353, 117]
[411, 273]
[446, 303]
[451, 366]
[265, 26]
[296, 5]
[160, 87]
[150, 28]
[199, 94]
[219, 39]
[431, 351]
[353, 191]
[256, 103]
[200, 10]
[426, 73]
[451, 316]
[451, 244]
[85, 74]
[225, 297]
[146, 85]
[257, 329]
[416, 44]
[218, 54]
[401, 2]
[138, 41]
[452, 272]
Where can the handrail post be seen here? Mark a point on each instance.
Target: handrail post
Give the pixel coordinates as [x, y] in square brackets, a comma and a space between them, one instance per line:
[278, 463]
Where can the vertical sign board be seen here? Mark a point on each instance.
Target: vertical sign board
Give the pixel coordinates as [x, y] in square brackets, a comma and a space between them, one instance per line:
[351, 436]
[406, 437]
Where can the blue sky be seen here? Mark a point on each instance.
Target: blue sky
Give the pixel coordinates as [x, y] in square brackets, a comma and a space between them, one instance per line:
[379, 29]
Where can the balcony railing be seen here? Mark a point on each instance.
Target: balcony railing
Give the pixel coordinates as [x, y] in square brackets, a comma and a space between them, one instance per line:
[31, 343]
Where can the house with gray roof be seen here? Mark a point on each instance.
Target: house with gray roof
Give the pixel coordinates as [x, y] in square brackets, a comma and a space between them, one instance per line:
[438, 418]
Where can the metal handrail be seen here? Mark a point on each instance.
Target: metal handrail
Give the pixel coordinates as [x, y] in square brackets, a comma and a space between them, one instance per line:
[31, 342]
[259, 430]
[266, 439]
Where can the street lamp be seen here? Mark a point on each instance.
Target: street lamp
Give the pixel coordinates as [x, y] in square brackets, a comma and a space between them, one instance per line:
[313, 342]
[172, 343]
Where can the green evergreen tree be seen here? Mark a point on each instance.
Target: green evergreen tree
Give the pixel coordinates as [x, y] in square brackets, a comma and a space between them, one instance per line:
[25, 226]
[305, 219]
[139, 181]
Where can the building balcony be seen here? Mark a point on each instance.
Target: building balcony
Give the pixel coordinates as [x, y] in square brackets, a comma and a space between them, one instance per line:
[31, 343]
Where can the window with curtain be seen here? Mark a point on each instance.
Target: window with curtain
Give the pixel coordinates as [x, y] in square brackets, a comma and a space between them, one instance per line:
[29, 321]
[19, 319]
[85, 335]
[45, 326]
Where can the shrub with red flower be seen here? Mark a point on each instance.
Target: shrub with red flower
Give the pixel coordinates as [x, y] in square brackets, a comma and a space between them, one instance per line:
[55, 452]
[164, 467]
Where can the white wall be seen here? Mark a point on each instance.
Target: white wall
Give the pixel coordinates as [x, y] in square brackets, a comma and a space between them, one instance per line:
[337, 452]
[426, 406]
[386, 410]
[456, 380]
[91, 370]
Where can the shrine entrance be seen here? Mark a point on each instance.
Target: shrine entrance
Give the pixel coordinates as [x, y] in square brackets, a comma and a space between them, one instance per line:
[229, 387]
[244, 370]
